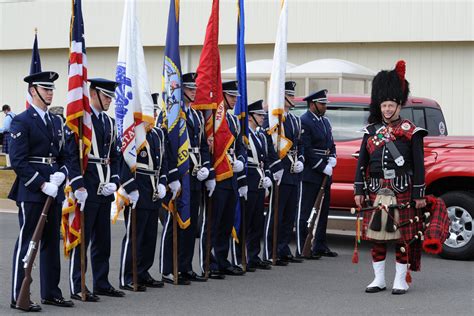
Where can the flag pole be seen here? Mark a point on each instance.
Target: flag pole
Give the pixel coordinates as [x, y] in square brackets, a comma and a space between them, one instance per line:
[134, 248]
[243, 209]
[209, 208]
[277, 197]
[175, 242]
[82, 220]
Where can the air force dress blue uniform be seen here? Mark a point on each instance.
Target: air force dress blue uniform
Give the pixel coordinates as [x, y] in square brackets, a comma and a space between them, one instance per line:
[318, 148]
[152, 170]
[288, 192]
[36, 153]
[102, 168]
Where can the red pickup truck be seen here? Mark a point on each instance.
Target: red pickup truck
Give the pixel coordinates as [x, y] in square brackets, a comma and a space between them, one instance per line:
[449, 162]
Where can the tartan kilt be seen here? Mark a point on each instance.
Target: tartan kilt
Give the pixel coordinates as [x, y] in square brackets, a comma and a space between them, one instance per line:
[407, 232]
[6, 142]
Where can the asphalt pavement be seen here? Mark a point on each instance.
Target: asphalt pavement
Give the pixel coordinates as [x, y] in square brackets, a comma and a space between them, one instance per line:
[330, 286]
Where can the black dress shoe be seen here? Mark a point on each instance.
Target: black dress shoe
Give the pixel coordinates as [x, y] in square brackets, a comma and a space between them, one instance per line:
[111, 291]
[170, 279]
[233, 270]
[33, 307]
[398, 291]
[250, 268]
[153, 283]
[374, 289]
[57, 301]
[326, 253]
[194, 277]
[280, 263]
[313, 256]
[89, 297]
[129, 287]
[262, 265]
[216, 275]
[292, 259]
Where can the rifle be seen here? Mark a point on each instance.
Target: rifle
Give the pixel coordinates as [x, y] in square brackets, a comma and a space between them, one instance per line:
[207, 266]
[82, 219]
[243, 209]
[23, 301]
[134, 248]
[314, 219]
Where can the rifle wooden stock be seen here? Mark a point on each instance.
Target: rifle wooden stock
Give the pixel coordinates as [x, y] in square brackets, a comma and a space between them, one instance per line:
[243, 242]
[315, 219]
[134, 249]
[23, 301]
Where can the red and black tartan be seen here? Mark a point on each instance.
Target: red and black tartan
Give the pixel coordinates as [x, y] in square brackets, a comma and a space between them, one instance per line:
[6, 141]
[438, 230]
[407, 232]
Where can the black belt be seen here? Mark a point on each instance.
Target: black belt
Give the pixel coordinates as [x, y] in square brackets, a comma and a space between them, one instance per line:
[380, 175]
[323, 152]
[102, 161]
[147, 172]
[45, 160]
[194, 150]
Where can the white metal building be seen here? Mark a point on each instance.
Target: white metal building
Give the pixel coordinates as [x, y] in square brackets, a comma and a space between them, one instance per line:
[435, 37]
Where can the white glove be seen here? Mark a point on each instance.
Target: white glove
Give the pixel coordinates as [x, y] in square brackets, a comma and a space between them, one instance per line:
[210, 186]
[332, 161]
[243, 191]
[238, 166]
[57, 178]
[81, 197]
[109, 189]
[278, 175]
[174, 187]
[133, 197]
[202, 174]
[328, 170]
[267, 182]
[161, 191]
[50, 189]
[298, 167]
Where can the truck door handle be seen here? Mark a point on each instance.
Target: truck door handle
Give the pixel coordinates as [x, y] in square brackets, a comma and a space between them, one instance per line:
[355, 155]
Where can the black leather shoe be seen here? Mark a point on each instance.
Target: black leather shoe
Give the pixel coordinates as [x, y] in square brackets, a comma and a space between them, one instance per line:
[280, 263]
[153, 283]
[398, 291]
[89, 297]
[313, 256]
[33, 307]
[250, 268]
[194, 277]
[292, 259]
[129, 287]
[111, 291]
[216, 275]
[262, 265]
[233, 270]
[374, 289]
[326, 253]
[57, 301]
[170, 279]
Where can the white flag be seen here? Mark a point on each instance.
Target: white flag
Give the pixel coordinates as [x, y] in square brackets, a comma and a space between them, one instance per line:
[134, 104]
[276, 94]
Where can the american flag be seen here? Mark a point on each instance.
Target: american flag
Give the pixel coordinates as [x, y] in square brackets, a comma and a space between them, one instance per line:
[34, 67]
[78, 119]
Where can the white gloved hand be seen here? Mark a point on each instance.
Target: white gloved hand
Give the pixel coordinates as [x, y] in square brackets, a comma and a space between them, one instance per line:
[202, 174]
[238, 166]
[50, 189]
[174, 187]
[109, 189]
[133, 197]
[298, 167]
[210, 186]
[243, 191]
[57, 178]
[81, 197]
[278, 175]
[328, 170]
[267, 182]
[161, 191]
[332, 161]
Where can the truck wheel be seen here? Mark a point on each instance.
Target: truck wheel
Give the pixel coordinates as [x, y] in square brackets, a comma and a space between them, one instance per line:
[460, 242]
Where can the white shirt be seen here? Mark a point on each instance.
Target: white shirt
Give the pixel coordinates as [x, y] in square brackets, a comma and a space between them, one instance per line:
[40, 112]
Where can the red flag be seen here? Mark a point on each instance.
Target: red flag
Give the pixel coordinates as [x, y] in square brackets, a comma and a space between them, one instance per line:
[209, 97]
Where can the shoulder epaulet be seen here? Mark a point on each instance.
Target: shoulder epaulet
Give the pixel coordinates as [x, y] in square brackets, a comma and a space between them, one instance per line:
[368, 128]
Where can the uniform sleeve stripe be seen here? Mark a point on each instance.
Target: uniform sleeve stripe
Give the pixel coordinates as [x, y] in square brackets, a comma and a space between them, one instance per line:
[32, 179]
